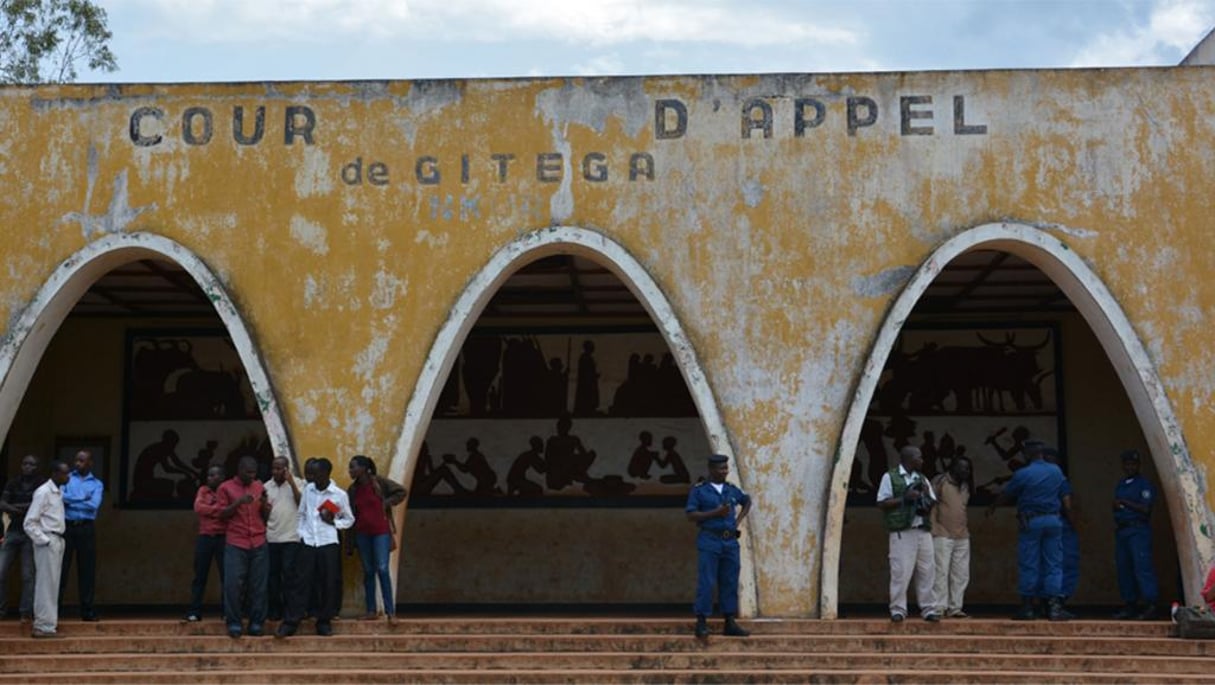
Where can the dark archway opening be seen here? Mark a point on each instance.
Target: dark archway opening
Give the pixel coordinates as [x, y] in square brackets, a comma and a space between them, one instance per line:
[994, 354]
[143, 373]
[558, 457]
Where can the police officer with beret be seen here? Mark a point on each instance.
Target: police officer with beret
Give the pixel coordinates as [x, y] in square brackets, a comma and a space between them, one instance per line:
[1133, 498]
[712, 506]
[1037, 488]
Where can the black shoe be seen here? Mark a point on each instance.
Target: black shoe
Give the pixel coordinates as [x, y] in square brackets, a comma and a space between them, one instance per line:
[255, 630]
[285, 629]
[732, 629]
[1149, 613]
[1127, 612]
[702, 628]
[324, 628]
[1027, 611]
[897, 618]
[234, 631]
[91, 618]
[1056, 612]
[932, 617]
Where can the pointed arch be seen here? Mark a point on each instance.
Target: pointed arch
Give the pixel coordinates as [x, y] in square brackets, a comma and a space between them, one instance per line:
[28, 338]
[477, 294]
[1182, 483]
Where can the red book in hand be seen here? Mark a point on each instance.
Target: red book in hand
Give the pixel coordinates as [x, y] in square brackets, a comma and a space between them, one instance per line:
[329, 506]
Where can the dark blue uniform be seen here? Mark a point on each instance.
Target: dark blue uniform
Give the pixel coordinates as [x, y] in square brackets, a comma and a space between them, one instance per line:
[1037, 488]
[1133, 542]
[1071, 553]
[717, 560]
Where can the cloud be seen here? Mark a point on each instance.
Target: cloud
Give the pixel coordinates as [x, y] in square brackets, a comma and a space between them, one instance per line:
[1170, 30]
[597, 23]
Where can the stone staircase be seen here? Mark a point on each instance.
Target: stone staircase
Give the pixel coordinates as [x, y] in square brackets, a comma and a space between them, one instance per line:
[609, 650]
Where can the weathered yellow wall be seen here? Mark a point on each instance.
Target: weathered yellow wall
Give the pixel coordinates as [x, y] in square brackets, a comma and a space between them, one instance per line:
[779, 255]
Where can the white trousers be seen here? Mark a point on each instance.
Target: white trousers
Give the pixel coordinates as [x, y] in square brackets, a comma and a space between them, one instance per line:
[911, 555]
[953, 572]
[48, 564]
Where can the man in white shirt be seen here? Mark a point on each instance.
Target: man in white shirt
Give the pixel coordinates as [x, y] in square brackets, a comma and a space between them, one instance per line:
[324, 510]
[905, 498]
[44, 524]
[283, 491]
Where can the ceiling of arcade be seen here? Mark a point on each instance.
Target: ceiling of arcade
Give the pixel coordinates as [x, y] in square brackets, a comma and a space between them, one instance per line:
[565, 289]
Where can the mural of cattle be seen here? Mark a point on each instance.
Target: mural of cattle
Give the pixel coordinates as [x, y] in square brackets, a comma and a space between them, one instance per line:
[994, 377]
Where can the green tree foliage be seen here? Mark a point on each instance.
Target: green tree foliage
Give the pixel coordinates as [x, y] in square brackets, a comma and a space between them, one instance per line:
[44, 41]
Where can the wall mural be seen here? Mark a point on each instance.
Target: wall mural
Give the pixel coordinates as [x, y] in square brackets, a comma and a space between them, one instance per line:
[188, 405]
[979, 390]
[586, 419]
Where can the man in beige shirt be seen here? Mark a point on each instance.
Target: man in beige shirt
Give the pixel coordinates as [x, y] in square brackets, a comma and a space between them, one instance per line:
[44, 524]
[951, 537]
[282, 533]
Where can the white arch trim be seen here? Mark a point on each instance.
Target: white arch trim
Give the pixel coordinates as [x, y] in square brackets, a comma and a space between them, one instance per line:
[27, 339]
[483, 286]
[1183, 484]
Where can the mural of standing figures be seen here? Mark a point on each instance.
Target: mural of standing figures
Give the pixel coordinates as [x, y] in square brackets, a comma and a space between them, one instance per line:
[975, 390]
[548, 391]
[586, 395]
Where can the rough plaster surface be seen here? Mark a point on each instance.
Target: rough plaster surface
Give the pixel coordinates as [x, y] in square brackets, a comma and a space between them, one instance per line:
[771, 262]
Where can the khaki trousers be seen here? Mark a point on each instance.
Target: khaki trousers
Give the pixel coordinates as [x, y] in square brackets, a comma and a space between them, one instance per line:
[953, 572]
[911, 555]
[48, 564]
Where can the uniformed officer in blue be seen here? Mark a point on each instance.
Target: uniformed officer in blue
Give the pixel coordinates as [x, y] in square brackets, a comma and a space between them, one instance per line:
[1037, 488]
[718, 509]
[1133, 498]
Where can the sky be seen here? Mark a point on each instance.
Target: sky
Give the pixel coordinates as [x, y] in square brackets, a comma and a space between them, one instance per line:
[261, 40]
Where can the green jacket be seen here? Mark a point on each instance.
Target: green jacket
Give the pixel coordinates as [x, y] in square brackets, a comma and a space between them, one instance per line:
[900, 517]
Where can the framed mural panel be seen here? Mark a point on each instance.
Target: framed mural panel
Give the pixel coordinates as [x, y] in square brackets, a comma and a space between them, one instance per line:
[66, 449]
[545, 418]
[188, 405]
[976, 389]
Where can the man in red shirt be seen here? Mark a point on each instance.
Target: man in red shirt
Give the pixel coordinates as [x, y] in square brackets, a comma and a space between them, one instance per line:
[246, 559]
[210, 543]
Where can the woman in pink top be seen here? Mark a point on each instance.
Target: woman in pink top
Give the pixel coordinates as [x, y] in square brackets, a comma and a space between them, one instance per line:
[372, 498]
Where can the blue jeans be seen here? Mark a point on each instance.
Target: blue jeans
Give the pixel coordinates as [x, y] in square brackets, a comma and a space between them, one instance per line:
[374, 552]
[1133, 555]
[1040, 557]
[245, 572]
[207, 549]
[17, 544]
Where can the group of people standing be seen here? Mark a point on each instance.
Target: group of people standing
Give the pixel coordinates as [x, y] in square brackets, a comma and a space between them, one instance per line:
[929, 536]
[51, 523]
[278, 545]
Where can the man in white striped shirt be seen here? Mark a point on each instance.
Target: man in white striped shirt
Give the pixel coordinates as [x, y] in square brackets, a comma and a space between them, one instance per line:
[44, 524]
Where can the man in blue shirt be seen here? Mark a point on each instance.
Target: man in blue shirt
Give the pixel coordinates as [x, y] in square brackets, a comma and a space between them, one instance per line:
[1037, 490]
[712, 506]
[1133, 498]
[81, 502]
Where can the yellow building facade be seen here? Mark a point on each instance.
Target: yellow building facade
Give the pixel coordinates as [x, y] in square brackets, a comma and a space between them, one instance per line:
[779, 230]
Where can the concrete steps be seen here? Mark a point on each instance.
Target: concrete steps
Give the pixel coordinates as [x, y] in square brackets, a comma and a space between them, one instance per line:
[618, 650]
